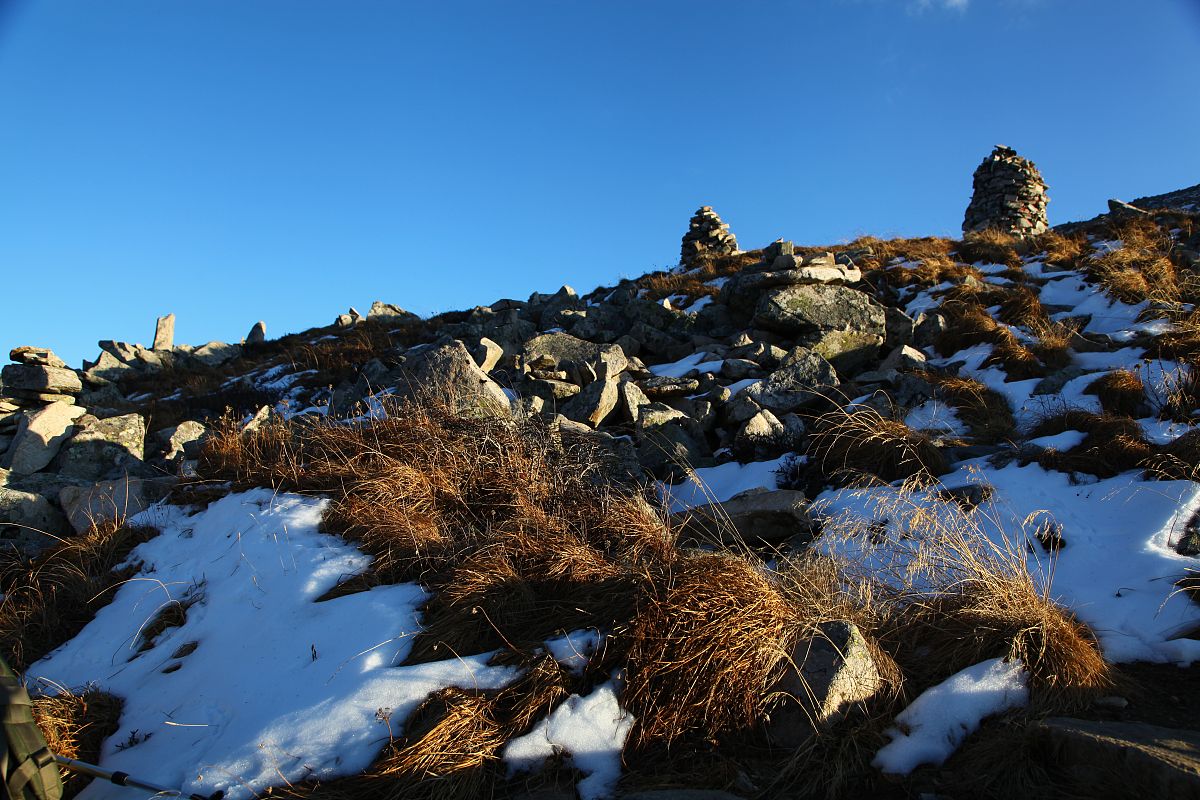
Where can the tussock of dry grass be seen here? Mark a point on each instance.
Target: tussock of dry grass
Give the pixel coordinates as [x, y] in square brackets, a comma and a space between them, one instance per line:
[48, 599]
[1120, 392]
[990, 246]
[705, 648]
[1112, 444]
[75, 725]
[1141, 269]
[1022, 306]
[849, 445]
[1178, 460]
[1059, 249]
[984, 411]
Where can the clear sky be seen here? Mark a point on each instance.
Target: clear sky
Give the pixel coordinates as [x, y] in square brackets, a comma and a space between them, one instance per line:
[237, 160]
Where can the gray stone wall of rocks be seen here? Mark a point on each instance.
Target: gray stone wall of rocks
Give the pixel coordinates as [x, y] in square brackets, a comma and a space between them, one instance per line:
[1008, 195]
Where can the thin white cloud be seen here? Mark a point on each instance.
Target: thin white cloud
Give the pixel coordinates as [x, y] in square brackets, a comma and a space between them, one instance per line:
[921, 6]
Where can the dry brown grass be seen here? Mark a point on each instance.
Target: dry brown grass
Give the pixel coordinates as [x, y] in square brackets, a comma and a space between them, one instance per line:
[932, 249]
[74, 726]
[848, 445]
[1181, 343]
[1120, 392]
[48, 599]
[984, 411]
[705, 649]
[1061, 250]
[1112, 444]
[1141, 269]
[968, 324]
[1178, 460]
[1022, 306]
[990, 246]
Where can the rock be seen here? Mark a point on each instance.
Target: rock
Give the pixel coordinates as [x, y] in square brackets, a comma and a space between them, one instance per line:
[898, 327]
[214, 354]
[1093, 756]
[164, 332]
[36, 357]
[759, 516]
[554, 310]
[761, 437]
[1120, 208]
[903, 359]
[736, 369]
[39, 437]
[848, 350]
[707, 235]
[801, 380]
[182, 440]
[777, 248]
[743, 291]
[661, 386]
[386, 312]
[122, 351]
[812, 309]
[257, 334]
[104, 448]
[110, 501]
[593, 405]
[827, 672]
[107, 368]
[30, 522]
[447, 371]
[1008, 195]
[630, 399]
[553, 391]
[487, 354]
[669, 442]
[40, 379]
[565, 351]
[929, 328]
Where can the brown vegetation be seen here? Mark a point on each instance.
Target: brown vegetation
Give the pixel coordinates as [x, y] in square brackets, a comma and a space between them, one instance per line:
[74, 726]
[985, 411]
[1120, 392]
[863, 442]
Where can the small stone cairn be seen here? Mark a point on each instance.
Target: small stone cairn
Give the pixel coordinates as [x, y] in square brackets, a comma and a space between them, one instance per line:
[706, 234]
[1009, 195]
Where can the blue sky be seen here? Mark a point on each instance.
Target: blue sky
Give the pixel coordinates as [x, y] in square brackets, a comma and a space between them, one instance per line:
[237, 160]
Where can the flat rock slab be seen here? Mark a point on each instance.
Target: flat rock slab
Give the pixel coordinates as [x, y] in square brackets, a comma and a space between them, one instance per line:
[753, 517]
[110, 501]
[1148, 760]
[39, 437]
[39, 378]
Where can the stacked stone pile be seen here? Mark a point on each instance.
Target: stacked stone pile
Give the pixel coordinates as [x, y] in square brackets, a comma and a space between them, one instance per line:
[707, 234]
[1008, 195]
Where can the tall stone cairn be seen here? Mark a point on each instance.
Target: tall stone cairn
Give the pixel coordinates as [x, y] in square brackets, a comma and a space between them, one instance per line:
[1009, 195]
[706, 234]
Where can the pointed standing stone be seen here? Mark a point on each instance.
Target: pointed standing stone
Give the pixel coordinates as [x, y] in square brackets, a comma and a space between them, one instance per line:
[164, 333]
[257, 334]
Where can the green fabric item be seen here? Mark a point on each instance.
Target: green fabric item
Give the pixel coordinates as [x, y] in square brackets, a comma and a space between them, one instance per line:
[27, 768]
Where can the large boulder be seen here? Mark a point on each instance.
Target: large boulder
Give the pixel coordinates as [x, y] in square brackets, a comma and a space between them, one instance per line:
[595, 402]
[802, 379]
[110, 501]
[104, 448]
[1090, 755]
[826, 673]
[214, 354]
[808, 310]
[670, 442]
[26, 380]
[448, 372]
[565, 352]
[29, 522]
[39, 437]
[755, 517]
[386, 312]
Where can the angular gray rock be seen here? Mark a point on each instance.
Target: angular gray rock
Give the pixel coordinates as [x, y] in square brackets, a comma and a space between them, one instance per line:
[104, 448]
[848, 350]
[670, 441]
[214, 354]
[386, 312]
[257, 334]
[597, 400]
[182, 440]
[827, 672]
[755, 517]
[810, 309]
[39, 437]
[164, 332]
[448, 372]
[565, 351]
[801, 379]
[39, 379]
[110, 501]
[36, 356]
[29, 522]
[487, 354]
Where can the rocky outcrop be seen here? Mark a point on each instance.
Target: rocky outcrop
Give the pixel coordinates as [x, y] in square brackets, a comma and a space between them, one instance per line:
[707, 235]
[1008, 195]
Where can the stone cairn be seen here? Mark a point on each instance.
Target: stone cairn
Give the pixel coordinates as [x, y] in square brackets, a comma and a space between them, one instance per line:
[1009, 195]
[706, 234]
